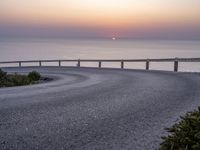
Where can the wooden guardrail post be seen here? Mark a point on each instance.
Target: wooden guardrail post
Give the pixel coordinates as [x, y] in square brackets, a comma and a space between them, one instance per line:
[176, 65]
[59, 63]
[40, 63]
[79, 63]
[99, 64]
[20, 63]
[147, 64]
[122, 64]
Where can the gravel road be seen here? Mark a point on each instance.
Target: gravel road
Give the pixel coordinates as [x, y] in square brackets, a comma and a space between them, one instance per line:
[94, 109]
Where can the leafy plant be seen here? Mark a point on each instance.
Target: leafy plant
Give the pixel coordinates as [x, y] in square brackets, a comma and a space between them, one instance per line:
[3, 77]
[34, 76]
[18, 80]
[2, 74]
[184, 135]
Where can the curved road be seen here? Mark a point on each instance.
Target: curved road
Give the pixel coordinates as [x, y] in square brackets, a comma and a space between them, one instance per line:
[94, 109]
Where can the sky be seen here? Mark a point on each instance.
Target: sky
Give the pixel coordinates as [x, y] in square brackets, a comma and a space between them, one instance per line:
[148, 19]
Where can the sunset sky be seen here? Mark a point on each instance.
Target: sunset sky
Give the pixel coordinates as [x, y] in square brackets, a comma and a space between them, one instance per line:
[167, 19]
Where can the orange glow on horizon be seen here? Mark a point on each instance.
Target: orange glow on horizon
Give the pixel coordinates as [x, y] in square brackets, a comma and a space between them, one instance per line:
[109, 14]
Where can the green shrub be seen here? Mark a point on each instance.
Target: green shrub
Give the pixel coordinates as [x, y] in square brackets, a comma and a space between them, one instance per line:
[2, 74]
[18, 80]
[34, 76]
[3, 78]
[184, 135]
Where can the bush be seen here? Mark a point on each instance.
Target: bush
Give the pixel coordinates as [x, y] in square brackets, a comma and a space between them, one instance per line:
[184, 135]
[2, 74]
[3, 78]
[18, 80]
[34, 76]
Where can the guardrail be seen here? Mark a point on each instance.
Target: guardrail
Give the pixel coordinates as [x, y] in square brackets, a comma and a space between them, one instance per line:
[100, 61]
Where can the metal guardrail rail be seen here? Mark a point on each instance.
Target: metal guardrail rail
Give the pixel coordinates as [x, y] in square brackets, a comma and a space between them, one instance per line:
[100, 61]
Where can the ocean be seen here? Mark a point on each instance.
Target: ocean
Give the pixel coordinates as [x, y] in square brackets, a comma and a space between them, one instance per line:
[40, 48]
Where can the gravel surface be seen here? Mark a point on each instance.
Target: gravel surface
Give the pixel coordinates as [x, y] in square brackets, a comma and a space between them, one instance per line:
[94, 109]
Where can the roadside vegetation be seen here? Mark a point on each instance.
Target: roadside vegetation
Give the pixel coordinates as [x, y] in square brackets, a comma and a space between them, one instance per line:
[9, 80]
[184, 135]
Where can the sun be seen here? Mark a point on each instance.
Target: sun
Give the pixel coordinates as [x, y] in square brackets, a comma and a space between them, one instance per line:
[113, 38]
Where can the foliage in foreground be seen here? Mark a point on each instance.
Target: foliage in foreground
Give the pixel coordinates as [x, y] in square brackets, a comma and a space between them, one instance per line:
[34, 76]
[184, 135]
[18, 80]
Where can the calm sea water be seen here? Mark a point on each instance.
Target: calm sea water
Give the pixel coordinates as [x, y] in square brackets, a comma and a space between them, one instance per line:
[30, 49]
